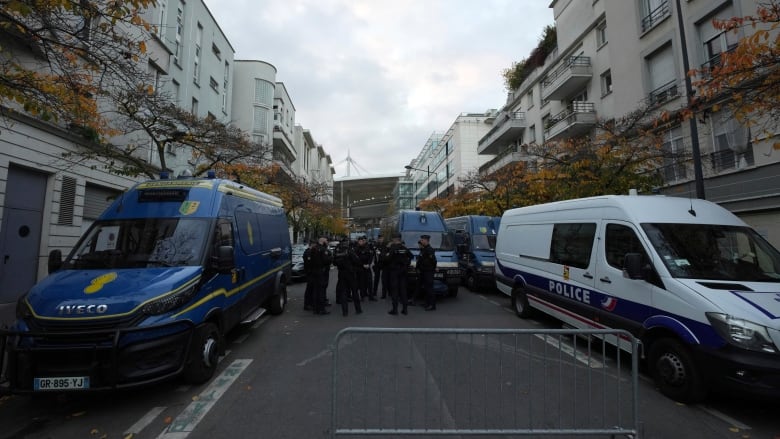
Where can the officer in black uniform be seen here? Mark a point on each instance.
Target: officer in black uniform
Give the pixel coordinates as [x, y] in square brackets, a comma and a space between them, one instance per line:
[398, 261]
[346, 262]
[380, 273]
[426, 267]
[324, 259]
[365, 255]
[312, 275]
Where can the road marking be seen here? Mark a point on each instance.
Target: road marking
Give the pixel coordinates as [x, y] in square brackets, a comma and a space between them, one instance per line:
[324, 353]
[566, 349]
[185, 423]
[725, 418]
[144, 421]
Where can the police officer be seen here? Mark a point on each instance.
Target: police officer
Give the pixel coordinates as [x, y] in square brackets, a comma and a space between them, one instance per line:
[398, 261]
[426, 267]
[380, 273]
[365, 255]
[312, 275]
[324, 259]
[346, 262]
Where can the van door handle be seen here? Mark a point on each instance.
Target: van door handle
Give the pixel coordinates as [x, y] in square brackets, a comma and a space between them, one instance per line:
[606, 280]
[587, 276]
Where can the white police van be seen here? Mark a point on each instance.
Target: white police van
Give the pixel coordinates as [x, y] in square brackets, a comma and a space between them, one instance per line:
[697, 286]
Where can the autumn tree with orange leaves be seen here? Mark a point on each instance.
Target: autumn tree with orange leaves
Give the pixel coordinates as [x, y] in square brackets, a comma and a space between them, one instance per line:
[745, 79]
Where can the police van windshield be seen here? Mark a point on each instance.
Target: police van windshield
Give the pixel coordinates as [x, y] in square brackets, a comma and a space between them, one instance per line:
[702, 251]
[439, 241]
[142, 242]
[483, 242]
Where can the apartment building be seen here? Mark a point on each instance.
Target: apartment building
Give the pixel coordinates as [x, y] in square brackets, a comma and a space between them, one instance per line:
[446, 157]
[615, 56]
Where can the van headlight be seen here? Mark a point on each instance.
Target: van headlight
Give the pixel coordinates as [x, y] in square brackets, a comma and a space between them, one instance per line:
[742, 333]
[167, 303]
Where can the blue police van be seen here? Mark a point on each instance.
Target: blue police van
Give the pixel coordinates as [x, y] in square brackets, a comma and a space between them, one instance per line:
[475, 240]
[411, 224]
[150, 289]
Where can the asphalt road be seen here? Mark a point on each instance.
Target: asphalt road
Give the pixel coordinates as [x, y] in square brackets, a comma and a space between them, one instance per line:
[276, 381]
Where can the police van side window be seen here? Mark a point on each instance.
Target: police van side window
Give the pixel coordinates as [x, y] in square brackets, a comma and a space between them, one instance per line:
[618, 241]
[572, 244]
[249, 234]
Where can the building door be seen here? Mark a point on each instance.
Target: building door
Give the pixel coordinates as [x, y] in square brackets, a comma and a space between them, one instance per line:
[20, 232]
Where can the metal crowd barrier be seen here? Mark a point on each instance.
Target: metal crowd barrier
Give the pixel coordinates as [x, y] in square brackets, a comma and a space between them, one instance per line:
[483, 382]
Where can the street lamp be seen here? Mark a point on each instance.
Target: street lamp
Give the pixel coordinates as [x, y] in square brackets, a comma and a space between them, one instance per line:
[428, 179]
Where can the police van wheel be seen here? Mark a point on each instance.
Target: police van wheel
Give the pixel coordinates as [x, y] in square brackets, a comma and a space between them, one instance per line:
[278, 301]
[204, 354]
[471, 282]
[520, 303]
[674, 372]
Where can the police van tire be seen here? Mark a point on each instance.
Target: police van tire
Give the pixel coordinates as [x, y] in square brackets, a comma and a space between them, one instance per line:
[204, 354]
[674, 371]
[471, 282]
[278, 301]
[520, 303]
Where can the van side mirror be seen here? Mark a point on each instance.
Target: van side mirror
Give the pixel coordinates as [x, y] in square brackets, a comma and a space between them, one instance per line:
[632, 266]
[55, 260]
[224, 262]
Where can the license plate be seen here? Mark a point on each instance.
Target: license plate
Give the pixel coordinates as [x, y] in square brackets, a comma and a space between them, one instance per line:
[61, 383]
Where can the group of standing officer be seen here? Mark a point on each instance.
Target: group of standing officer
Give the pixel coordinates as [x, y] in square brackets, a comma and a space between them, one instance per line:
[389, 262]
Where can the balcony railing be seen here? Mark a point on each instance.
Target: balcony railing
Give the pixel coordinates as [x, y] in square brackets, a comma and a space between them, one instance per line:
[655, 16]
[572, 75]
[506, 130]
[577, 113]
[728, 159]
[663, 93]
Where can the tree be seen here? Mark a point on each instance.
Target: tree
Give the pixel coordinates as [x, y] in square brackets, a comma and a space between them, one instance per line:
[213, 144]
[59, 56]
[745, 79]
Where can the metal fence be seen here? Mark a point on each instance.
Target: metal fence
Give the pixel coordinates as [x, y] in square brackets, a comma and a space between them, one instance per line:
[483, 382]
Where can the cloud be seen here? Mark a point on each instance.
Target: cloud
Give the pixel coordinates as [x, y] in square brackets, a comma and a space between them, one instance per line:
[376, 78]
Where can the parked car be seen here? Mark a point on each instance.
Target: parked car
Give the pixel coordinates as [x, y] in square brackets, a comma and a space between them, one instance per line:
[297, 273]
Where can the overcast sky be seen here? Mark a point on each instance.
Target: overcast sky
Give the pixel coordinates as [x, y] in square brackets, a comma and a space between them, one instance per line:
[376, 77]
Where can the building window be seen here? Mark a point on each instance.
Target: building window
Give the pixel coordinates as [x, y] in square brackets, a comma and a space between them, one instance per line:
[264, 92]
[179, 31]
[663, 81]
[530, 98]
[653, 12]
[216, 51]
[213, 84]
[716, 41]
[194, 108]
[161, 24]
[260, 120]
[531, 134]
[606, 83]
[674, 156]
[601, 33]
[196, 62]
[731, 144]
[176, 91]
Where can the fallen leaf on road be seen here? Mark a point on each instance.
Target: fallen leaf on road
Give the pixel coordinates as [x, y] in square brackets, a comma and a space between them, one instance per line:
[129, 436]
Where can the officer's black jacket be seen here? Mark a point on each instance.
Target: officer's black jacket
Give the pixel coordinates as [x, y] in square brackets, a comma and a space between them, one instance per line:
[427, 259]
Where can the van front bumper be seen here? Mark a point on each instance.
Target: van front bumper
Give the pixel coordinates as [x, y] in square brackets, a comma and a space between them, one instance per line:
[110, 359]
[731, 370]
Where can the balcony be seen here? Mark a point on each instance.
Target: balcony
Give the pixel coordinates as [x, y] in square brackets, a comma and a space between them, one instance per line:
[571, 76]
[283, 141]
[663, 94]
[509, 155]
[577, 119]
[503, 133]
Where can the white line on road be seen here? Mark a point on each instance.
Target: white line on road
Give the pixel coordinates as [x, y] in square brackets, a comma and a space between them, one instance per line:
[566, 349]
[144, 421]
[183, 425]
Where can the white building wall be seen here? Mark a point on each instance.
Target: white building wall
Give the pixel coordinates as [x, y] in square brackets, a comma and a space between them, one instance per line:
[252, 107]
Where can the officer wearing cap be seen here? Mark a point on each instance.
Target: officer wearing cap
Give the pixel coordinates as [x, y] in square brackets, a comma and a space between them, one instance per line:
[397, 265]
[310, 262]
[365, 255]
[380, 273]
[426, 267]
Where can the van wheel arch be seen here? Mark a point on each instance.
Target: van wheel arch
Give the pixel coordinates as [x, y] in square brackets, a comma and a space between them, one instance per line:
[205, 348]
[520, 302]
